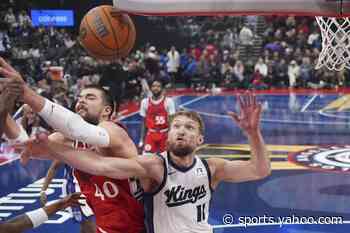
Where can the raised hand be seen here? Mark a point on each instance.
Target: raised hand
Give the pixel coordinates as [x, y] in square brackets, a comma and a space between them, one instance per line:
[11, 89]
[8, 71]
[13, 84]
[248, 118]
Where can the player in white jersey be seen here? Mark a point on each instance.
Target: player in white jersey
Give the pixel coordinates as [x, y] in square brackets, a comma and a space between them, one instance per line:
[183, 197]
[178, 186]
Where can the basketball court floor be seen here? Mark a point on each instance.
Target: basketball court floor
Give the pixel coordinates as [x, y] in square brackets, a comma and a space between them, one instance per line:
[307, 134]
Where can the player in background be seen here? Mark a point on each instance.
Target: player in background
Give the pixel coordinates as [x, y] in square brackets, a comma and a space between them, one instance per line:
[155, 111]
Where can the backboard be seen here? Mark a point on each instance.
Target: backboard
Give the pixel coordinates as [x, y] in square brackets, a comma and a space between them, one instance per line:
[236, 7]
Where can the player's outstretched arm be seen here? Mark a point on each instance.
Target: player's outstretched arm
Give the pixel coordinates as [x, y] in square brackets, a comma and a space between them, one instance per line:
[58, 117]
[65, 121]
[258, 166]
[37, 217]
[41, 153]
[18, 224]
[84, 160]
[34, 100]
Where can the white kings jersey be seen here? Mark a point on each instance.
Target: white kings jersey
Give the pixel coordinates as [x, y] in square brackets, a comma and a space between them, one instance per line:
[181, 203]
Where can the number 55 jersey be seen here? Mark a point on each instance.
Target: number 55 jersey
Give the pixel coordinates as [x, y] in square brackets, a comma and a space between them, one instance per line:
[156, 115]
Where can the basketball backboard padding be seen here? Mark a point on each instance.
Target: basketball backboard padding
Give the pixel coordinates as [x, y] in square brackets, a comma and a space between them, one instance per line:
[336, 8]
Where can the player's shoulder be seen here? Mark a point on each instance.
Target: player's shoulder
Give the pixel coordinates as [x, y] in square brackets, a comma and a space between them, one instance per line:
[215, 164]
[113, 128]
[110, 124]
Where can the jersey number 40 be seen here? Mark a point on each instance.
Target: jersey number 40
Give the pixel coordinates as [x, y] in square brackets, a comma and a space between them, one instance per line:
[109, 190]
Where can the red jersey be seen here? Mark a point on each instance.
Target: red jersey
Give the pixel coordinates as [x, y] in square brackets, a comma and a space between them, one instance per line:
[114, 202]
[156, 115]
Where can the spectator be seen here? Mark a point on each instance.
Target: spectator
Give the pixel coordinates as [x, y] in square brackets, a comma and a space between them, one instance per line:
[238, 71]
[282, 73]
[246, 37]
[261, 67]
[173, 63]
[190, 70]
[152, 62]
[24, 19]
[4, 43]
[305, 71]
[293, 73]
[10, 18]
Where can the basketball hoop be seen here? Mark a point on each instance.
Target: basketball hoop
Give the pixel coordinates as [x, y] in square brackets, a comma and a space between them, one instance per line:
[335, 54]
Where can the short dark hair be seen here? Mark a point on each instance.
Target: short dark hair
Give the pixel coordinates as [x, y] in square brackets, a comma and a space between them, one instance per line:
[192, 115]
[106, 95]
[159, 81]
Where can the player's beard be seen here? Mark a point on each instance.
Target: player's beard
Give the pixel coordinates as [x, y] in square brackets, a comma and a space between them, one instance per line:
[88, 117]
[91, 119]
[156, 95]
[180, 150]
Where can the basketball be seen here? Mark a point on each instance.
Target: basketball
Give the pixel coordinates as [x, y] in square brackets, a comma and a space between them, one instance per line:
[107, 34]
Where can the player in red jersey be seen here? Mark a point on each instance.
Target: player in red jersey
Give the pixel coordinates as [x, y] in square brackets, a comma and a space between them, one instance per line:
[156, 111]
[113, 201]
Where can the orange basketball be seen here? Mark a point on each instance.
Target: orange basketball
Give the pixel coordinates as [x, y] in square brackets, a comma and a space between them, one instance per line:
[107, 34]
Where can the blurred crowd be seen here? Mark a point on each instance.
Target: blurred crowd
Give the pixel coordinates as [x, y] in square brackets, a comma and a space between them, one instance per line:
[221, 52]
[225, 51]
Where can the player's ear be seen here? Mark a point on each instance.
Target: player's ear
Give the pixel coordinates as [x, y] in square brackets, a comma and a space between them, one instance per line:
[200, 140]
[108, 110]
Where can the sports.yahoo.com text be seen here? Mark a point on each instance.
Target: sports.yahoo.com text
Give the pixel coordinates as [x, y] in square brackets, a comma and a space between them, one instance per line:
[247, 221]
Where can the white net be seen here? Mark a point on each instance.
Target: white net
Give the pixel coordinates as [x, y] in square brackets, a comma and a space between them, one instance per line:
[335, 54]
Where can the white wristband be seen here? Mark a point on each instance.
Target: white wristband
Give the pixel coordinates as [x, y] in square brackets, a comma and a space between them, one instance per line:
[37, 217]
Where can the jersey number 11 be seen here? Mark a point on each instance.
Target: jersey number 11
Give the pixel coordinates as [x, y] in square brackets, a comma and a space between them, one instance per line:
[201, 212]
